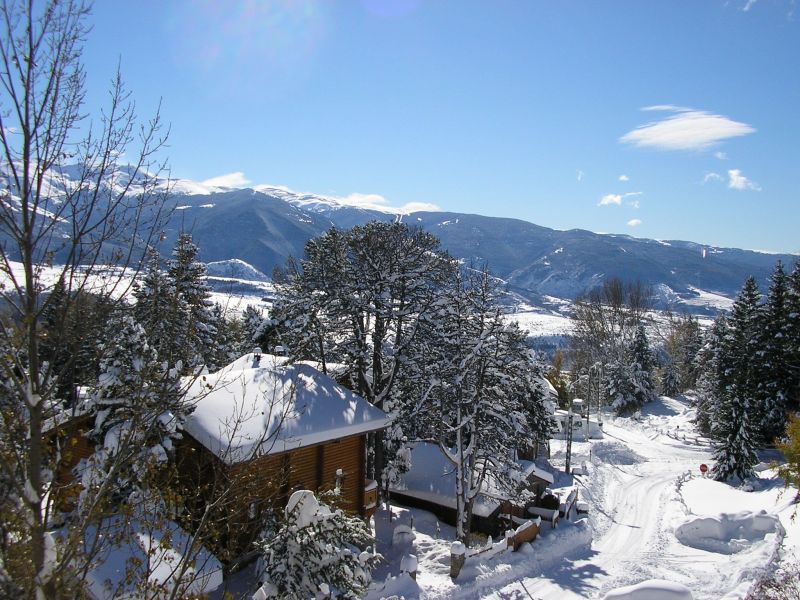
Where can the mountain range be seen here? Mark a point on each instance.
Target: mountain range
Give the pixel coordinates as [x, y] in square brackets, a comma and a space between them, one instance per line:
[263, 226]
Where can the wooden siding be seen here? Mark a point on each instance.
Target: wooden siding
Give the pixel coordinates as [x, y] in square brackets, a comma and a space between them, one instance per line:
[265, 483]
[70, 441]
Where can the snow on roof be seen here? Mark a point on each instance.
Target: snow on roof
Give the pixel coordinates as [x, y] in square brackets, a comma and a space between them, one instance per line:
[432, 478]
[257, 407]
[549, 388]
[532, 469]
[134, 549]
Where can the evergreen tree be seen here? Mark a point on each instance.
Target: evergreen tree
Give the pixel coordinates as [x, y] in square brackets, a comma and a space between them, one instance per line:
[709, 367]
[253, 323]
[474, 394]
[793, 335]
[160, 310]
[771, 368]
[641, 365]
[737, 415]
[734, 439]
[670, 382]
[197, 338]
[358, 298]
[138, 411]
[315, 552]
[620, 387]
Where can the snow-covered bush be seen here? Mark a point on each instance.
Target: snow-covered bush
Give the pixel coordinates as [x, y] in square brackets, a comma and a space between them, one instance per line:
[315, 552]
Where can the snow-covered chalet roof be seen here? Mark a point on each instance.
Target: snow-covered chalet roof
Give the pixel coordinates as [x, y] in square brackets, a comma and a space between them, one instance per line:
[432, 478]
[135, 549]
[257, 405]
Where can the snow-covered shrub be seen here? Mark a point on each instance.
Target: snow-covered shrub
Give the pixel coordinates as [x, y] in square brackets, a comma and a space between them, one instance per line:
[315, 552]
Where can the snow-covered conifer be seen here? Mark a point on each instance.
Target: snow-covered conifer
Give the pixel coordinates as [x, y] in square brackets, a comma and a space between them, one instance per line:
[771, 368]
[315, 552]
[640, 369]
[736, 428]
[198, 335]
[137, 413]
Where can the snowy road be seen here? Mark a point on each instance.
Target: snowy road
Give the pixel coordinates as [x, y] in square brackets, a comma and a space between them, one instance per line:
[631, 490]
[642, 482]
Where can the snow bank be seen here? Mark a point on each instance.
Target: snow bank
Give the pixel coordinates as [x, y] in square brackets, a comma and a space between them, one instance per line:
[615, 453]
[727, 533]
[653, 589]
[134, 553]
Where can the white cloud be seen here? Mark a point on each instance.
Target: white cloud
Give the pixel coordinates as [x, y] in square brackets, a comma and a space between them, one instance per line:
[610, 199]
[231, 180]
[634, 222]
[686, 129]
[624, 178]
[737, 181]
[410, 207]
[580, 175]
[378, 202]
[634, 203]
[721, 155]
[711, 176]
[749, 5]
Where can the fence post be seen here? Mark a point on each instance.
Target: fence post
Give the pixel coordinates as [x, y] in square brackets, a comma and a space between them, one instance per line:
[458, 555]
[408, 564]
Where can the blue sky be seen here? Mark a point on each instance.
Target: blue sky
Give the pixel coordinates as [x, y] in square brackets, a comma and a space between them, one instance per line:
[670, 120]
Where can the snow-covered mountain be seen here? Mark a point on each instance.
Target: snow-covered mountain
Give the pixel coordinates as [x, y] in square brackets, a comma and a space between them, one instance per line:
[265, 225]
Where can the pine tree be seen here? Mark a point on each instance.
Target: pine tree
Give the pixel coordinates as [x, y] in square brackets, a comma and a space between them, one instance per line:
[737, 416]
[358, 298]
[793, 338]
[198, 336]
[670, 382]
[137, 413]
[160, 310]
[709, 368]
[734, 439]
[771, 367]
[315, 552]
[641, 365]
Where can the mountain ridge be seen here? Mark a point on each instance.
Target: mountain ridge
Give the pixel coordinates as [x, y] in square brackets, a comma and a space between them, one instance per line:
[265, 225]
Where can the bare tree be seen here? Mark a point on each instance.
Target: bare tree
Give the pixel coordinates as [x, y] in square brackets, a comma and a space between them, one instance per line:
[63, 199]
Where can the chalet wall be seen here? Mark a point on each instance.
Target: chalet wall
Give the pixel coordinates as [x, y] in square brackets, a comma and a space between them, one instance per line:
[246, 491]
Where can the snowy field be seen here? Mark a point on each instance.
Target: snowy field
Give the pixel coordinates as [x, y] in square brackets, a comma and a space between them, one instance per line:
[651, 516]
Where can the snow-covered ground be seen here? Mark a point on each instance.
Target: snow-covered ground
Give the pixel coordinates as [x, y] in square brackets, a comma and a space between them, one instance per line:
[642, 485]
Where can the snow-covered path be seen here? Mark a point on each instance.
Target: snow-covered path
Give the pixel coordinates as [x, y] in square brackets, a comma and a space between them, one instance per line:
[641, 482]
[634, 498]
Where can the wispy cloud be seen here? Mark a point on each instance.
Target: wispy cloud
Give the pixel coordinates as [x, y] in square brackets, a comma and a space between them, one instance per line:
[616, 199]
[231, 180]
[580, 175]
[711, 176]
[610, 199]
[378, 202]
[685, 129]
[749, 5]
[737, 181]
[721, 155]
[624, 178]
[634, 222]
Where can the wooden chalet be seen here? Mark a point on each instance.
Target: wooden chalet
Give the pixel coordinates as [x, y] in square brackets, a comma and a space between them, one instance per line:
[261, 430]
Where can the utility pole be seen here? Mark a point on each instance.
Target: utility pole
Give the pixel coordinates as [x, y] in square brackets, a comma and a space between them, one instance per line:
[569, 437]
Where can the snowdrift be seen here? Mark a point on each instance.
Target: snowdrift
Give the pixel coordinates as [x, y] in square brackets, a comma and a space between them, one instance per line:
[727, 533]
[653, 589]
